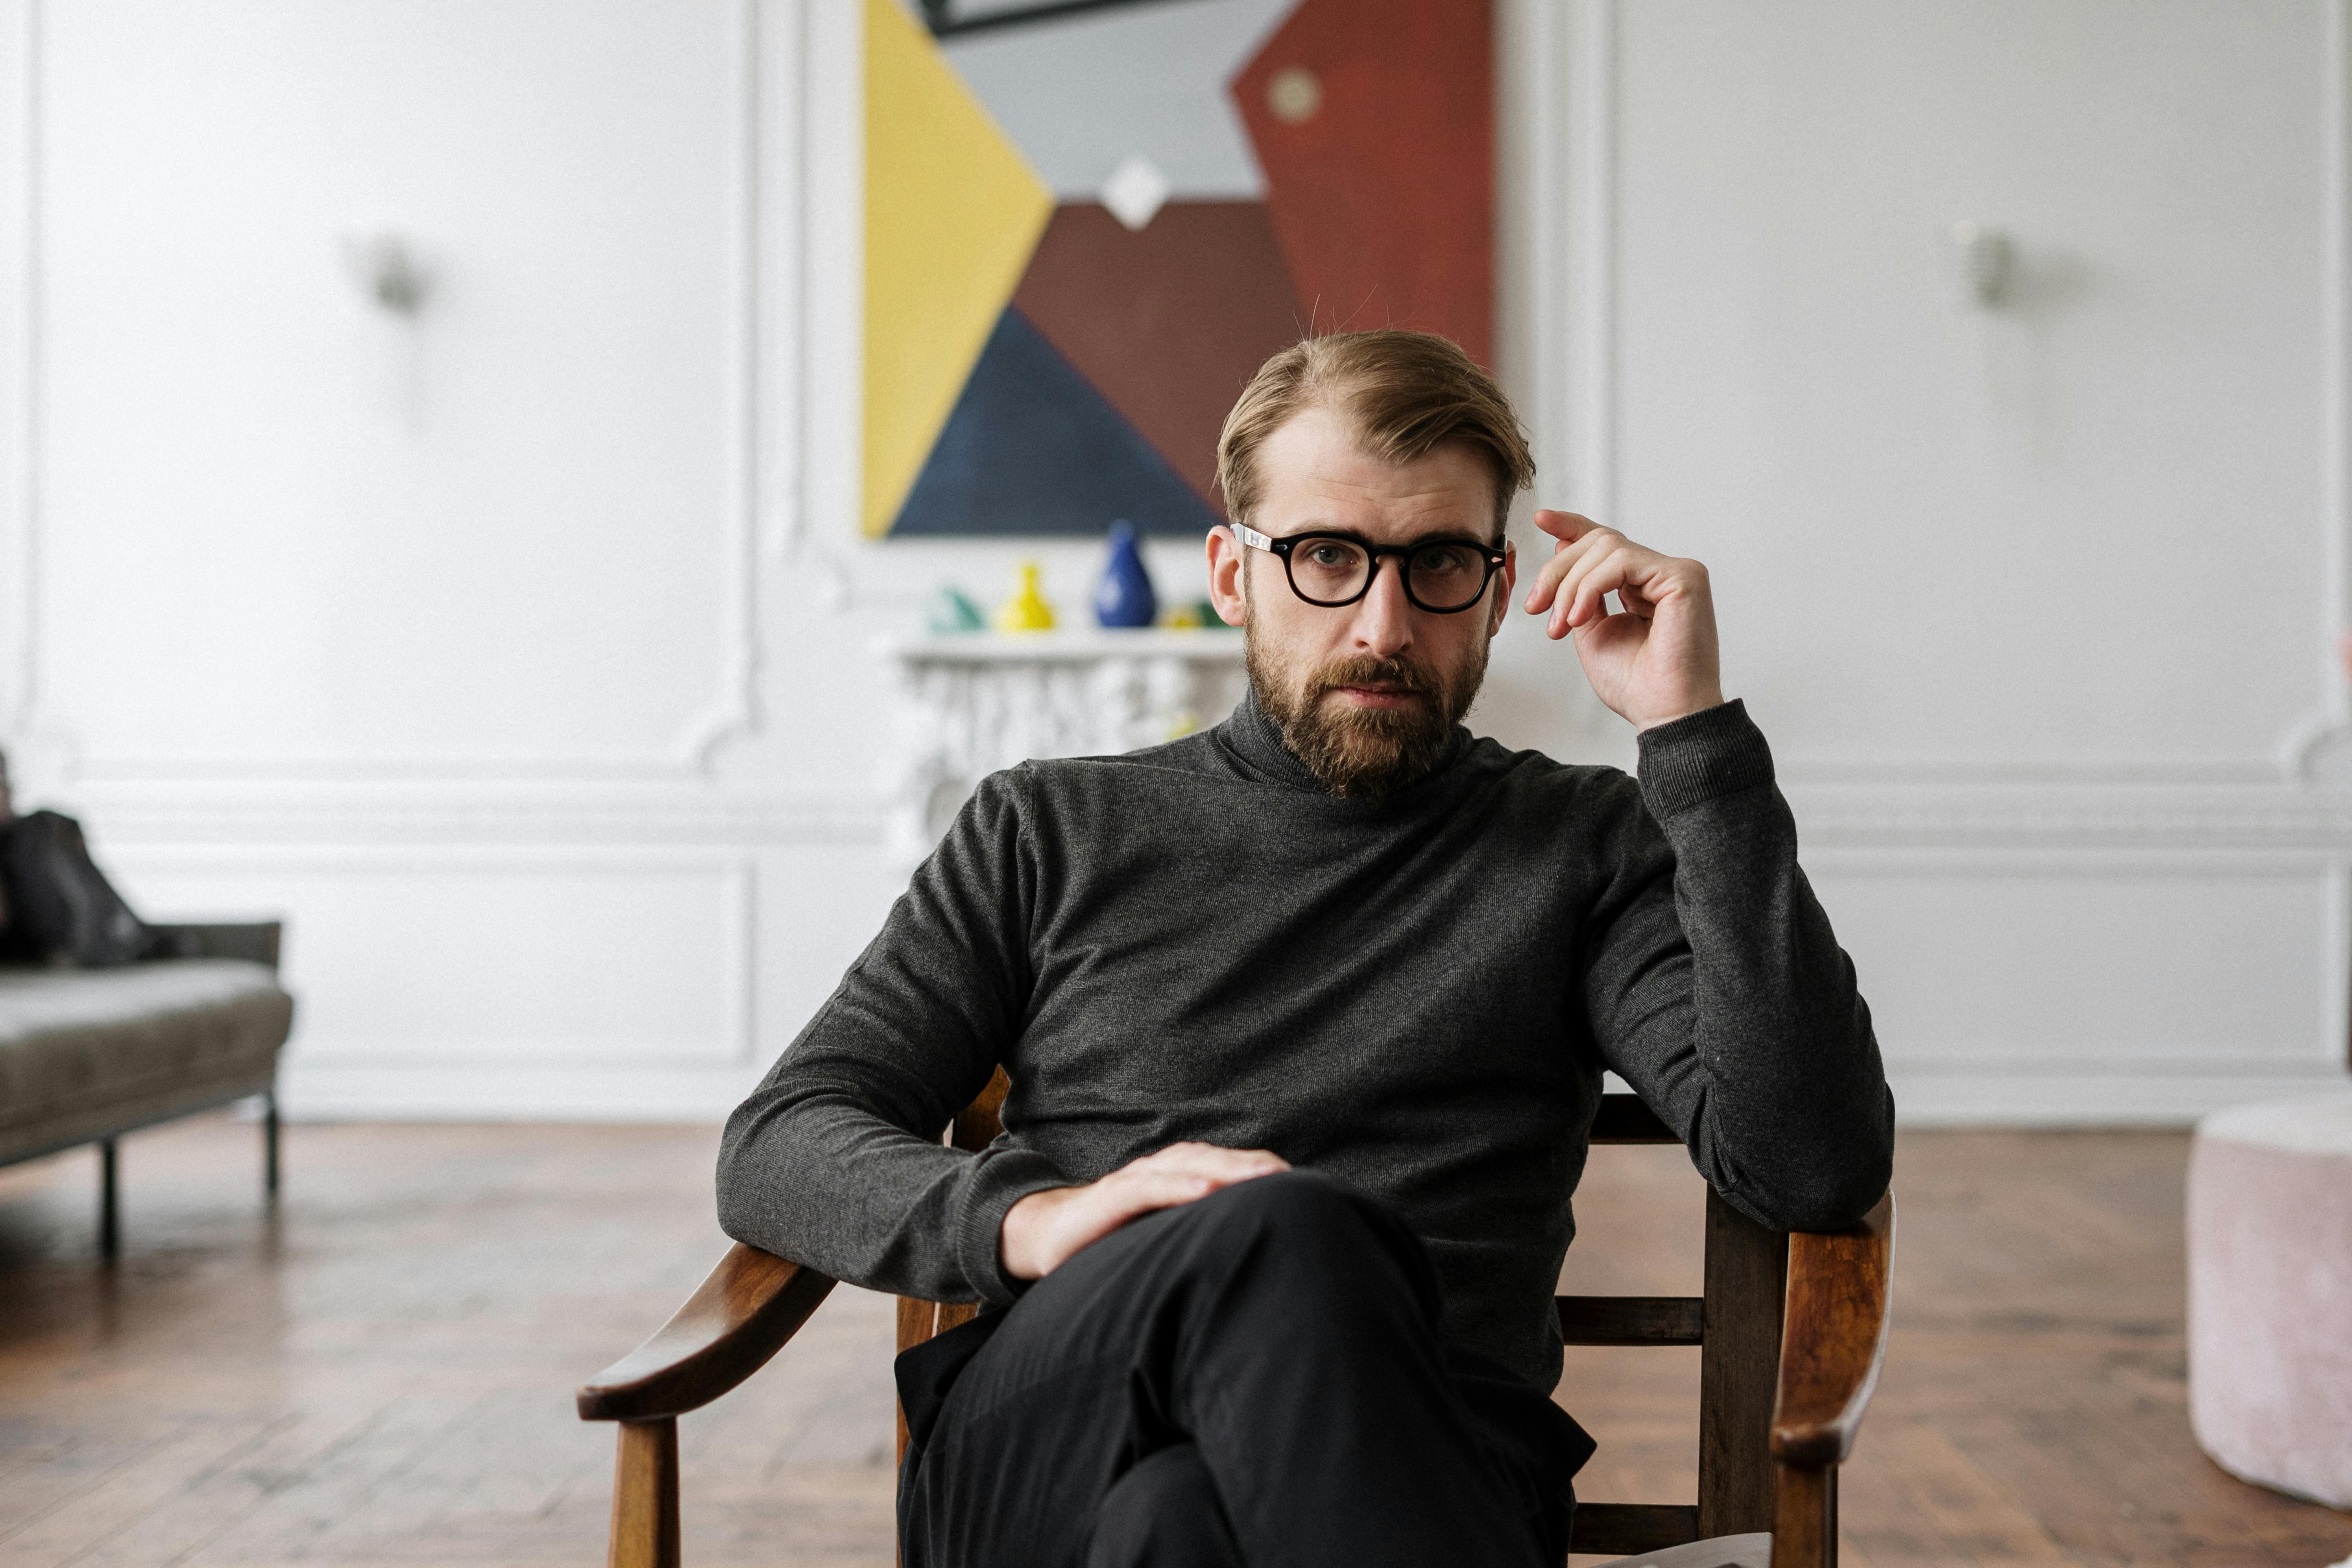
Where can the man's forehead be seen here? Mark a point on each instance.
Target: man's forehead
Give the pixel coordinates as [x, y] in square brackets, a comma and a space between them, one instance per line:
[1314, 465]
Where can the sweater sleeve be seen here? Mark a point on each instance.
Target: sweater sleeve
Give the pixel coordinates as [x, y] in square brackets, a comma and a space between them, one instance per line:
[835, 1160]
[1714, 986]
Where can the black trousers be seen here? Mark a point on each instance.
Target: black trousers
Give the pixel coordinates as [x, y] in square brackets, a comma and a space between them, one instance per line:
[1257, 1380]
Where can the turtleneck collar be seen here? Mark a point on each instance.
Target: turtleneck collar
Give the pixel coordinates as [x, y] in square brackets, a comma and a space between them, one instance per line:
[1256, 740]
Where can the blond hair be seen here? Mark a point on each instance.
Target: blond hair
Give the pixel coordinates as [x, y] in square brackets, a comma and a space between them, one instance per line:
[1407, 393]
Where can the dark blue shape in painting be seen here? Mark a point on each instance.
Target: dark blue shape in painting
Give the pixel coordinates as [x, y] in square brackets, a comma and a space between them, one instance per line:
[1032, 447]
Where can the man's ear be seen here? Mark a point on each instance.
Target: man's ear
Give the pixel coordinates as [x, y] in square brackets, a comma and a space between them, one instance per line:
[1227, 560]
[1509, 578]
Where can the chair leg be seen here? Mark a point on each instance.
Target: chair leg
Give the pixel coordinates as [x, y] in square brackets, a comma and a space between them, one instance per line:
[269, 1146]
[110, 1227]
[1804, 1524]
[644, 1496]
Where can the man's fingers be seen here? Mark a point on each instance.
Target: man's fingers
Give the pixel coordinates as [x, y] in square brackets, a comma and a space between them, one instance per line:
[1565, 557]
[1580, 596]
[1563, 612]
[1634, 573]
[1046, 1229]
[1180, 1174]
[1140, 1190]
[1223, 1164]
[1606, 577]
[1565, 526]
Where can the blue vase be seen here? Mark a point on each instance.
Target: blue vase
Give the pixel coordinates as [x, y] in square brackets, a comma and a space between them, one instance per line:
[1124, 596]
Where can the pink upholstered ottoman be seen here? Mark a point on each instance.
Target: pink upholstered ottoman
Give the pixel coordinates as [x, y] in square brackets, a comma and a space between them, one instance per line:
[2270, 1294]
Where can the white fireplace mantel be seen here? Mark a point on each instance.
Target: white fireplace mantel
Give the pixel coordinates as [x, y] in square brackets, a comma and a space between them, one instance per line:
[973, 702]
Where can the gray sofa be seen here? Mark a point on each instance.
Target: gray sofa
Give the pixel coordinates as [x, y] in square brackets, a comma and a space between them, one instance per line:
[88, 1055]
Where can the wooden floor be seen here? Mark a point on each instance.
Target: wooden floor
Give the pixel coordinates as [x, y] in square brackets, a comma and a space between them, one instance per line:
[383, 1373]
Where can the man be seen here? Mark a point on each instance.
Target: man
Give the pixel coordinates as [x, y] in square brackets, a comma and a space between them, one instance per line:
[1306, 1019]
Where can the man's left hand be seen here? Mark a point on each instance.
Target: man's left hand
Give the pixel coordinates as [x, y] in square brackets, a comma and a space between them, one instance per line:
[1654, 661]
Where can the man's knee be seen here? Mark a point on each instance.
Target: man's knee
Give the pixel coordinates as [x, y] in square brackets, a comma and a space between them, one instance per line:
[1303, 1226]
[1297, 1201]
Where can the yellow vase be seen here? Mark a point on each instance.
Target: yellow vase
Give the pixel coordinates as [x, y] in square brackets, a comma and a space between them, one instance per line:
[1028, 610]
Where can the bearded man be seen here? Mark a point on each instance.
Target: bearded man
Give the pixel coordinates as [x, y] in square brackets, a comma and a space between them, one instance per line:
[1306, 1019]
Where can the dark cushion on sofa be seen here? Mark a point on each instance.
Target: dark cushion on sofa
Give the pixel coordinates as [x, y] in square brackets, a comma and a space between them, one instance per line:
[84, 1053]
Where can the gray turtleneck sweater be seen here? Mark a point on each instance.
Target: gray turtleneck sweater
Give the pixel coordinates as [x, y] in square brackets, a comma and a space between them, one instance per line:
[1415, 995]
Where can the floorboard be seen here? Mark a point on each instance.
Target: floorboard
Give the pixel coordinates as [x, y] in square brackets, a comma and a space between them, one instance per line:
[381, 1373]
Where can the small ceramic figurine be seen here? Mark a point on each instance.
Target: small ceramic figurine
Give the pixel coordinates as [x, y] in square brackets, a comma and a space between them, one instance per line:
[1124, 596]
[1028, 610]
[951, 612]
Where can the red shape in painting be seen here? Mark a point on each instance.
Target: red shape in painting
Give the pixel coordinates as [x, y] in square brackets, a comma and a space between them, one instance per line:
[1168, 323]
[1374, 123]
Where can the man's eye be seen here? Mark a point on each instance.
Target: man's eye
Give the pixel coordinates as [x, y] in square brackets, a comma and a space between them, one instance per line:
[1443, 558]
[1330, 555]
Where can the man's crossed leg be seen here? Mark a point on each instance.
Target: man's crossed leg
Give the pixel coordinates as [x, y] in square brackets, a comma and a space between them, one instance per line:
[1257, 1380]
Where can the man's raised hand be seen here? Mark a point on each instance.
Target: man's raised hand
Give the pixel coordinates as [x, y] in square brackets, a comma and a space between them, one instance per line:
[1046, 1230]
[1654, 661]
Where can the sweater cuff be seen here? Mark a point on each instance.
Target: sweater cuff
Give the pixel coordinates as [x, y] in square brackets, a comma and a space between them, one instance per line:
[1000, 1178]
[1700, 757]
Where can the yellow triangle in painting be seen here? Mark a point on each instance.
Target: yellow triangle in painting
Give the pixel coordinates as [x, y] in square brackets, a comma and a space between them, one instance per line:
[952, 212]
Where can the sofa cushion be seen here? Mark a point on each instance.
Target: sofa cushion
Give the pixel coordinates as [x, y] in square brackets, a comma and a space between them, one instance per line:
[87, 1052]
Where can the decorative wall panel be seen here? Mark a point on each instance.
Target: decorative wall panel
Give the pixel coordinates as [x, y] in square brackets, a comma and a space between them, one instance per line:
[279, 529]
[2059, 799]
[455, 960]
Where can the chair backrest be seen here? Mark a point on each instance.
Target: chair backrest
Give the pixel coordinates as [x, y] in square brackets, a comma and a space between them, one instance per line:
[1736, 1325]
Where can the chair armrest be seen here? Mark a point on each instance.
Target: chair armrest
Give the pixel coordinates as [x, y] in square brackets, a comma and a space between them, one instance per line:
[255, 941]
[742, 1314]
[1834, 1337]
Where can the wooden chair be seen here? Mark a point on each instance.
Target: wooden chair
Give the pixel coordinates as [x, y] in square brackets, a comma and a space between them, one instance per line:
[1791, 1330]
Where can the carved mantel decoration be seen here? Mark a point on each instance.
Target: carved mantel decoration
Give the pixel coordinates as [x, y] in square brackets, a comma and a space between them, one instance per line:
[975, 702]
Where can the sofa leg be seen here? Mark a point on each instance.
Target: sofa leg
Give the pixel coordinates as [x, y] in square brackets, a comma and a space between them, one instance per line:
[109, 1228]
[269, 1146]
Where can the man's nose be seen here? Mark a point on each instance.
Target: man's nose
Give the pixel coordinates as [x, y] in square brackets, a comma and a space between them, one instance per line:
[1383, 625]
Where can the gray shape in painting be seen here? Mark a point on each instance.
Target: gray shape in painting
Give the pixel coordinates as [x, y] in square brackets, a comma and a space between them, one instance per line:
[1079, 96]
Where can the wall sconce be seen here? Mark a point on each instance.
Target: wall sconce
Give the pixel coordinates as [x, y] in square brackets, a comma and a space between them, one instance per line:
[388, 270]
[1986, 257]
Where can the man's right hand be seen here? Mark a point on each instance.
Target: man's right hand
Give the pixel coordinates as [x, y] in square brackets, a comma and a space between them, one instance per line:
[1046, 1230]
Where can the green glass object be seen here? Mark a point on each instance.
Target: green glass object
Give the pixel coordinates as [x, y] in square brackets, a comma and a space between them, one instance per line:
[951, 612]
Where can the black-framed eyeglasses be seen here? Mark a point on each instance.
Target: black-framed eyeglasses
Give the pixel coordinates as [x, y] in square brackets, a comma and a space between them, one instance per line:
[1444, 577]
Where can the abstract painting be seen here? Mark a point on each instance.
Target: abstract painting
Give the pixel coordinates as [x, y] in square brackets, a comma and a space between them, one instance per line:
[1086, 226]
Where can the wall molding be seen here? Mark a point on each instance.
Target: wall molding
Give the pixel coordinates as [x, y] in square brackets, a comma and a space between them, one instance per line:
[20, 326]
[312, 1089]
[1590, 405]
[2319, 748]
[734, 711]
[328, 819]
[2119, 1097]
[2134, 818]
[2129, 820]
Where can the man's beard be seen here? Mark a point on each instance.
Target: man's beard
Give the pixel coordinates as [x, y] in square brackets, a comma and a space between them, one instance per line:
[1354, 751]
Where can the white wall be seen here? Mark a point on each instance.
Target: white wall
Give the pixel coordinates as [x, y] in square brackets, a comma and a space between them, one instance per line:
[2036, 603]
[521, 653]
